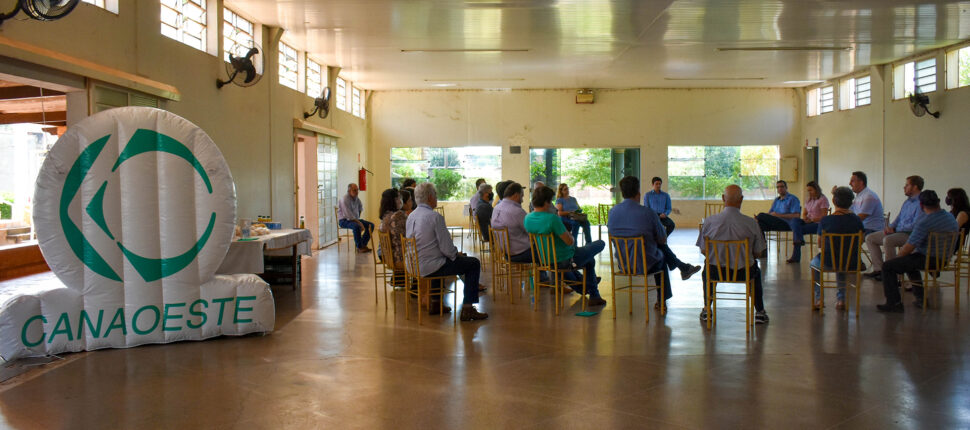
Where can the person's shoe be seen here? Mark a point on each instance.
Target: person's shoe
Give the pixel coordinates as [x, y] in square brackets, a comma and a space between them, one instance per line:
[890, 307]
[878, 277]
[703, 315]
[436, 309]
[469, 313]
[689, 270]
[363, 250]
[798, 243]
[596, 301]
[482, 288]
[874, 274]
[840, 305]
[818, 305]
[793, 260]
[761, 317]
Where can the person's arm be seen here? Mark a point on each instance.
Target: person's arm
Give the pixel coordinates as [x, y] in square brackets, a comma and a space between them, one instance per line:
[867, 208]
[905, 250]
[445, 243]
[567, 238]
[659, 231]
[560, 229]
[559, 209]
[668, 207]
[962, 218]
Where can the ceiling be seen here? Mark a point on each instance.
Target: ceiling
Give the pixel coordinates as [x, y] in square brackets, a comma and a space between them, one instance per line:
[607, 44]
[21, 103]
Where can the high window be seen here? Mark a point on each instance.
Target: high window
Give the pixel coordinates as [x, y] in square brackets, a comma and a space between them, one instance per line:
[702, 172]
[185, 21]
[820, 100]
[237, 35]
[453, 171]
[958, 68]
[316, 78]
[341, 94]
[109, 5]
[289, 66]
[855, 92]
[914, 76]
[356, 103]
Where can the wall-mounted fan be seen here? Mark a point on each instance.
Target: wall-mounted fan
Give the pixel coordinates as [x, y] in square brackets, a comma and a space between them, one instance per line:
[245, 66]
[321, 105]
[918, 104]
[42, 10]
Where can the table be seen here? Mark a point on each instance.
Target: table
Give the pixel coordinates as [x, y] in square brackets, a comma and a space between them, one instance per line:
[247, 255]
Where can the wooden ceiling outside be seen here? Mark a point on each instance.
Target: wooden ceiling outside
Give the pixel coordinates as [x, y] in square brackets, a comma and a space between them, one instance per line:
[27, 104]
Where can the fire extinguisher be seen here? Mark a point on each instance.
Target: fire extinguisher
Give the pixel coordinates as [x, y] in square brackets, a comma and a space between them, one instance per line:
[362, 178]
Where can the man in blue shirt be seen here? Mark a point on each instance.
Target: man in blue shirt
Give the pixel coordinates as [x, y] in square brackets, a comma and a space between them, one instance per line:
[912, 256]
[866, 204]
[785, 207]
[659, 202]
[895, 235]
[630, 219]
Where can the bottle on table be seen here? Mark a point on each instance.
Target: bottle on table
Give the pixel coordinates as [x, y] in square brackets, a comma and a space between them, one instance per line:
[302, 222]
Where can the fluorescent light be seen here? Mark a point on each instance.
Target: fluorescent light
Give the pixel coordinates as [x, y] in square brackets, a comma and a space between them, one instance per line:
[787, 48]
[475, 80]
[804, 82]
[715, 79]
[409, 51]
[445, 84]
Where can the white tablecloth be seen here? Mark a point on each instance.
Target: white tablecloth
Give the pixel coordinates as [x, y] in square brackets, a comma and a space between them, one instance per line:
[247, 256]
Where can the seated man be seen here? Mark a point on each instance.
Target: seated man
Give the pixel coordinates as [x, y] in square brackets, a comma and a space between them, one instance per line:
[437, 255]
[866, 204]
[473, 202]
[896, 233]
[509, 214]
[541, 221]
[484, 210]
[842, 221]
[730, 224]
[659, 202]
[348, 216]
[785, 207]
[912, 256]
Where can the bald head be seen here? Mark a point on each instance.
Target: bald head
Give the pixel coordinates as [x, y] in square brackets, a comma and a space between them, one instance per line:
[732, 196]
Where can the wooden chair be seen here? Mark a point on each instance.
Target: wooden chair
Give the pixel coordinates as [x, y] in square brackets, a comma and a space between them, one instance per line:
[504, 270]
[343, 233]
[942, 244]
[603, 210]
[385, 269]
[473, 230]
[780, 237]
[844, 252]
[628, 259]
[731, 252]
[813, 241]
[484, 248]
[418, 286]
[544, 259]
[453, 229]
[963, 259]
[712, 208]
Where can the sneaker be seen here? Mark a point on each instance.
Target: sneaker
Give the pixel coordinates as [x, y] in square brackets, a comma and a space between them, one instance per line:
[761, 317]
[703, 315]
[596, 301]
[894, 307]
[689, 270]
[469, 313]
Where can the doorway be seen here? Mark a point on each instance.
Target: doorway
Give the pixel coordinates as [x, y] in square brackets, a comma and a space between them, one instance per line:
[811, 163]
[316, 186]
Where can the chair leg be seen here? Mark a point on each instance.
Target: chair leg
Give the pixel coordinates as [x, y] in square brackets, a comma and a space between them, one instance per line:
[584, 291]
[613, 293]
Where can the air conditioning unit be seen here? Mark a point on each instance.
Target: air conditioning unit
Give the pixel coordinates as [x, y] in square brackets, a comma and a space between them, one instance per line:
[584, 96]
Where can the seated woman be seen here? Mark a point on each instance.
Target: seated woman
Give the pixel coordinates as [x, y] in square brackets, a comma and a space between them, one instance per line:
[407, 196]
[393, 221]
[842, 221]
[956, 198]
[570, 213]
[816, 207]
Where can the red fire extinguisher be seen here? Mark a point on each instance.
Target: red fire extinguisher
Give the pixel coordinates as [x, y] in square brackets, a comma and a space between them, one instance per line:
[362, 178]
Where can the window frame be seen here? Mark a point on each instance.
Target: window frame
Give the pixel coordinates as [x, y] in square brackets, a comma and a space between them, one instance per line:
[322, 74]
[180, 15]
[226, 12]
[899, 75]
[341, 93]
[470, 170]
[356, 102]
[672, 180]
[951, 66]
[106, 5]
[282, 64]
[849, 91]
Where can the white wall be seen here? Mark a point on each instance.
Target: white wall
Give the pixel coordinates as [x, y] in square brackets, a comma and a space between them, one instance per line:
[889, 143]
[649, 119]
[252, 126]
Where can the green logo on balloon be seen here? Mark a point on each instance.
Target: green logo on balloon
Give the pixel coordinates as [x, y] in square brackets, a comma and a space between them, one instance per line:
[150, 269]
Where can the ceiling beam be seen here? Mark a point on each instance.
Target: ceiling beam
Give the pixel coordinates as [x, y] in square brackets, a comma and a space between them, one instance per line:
[26, 92]
[51, 118]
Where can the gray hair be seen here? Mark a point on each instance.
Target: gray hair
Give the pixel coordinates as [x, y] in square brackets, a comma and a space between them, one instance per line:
[842, 197]
[484, 189]
[424, 192]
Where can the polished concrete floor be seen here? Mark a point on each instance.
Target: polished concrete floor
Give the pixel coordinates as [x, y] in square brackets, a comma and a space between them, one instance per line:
[337, 360]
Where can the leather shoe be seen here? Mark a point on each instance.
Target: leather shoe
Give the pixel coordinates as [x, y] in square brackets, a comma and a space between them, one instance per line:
[436, 309]
[596, 301]
[469, 313]
[894, 307]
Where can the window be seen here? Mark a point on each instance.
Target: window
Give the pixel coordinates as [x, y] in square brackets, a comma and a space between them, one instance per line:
[958, 68]
[108, 5]
[316, 78]
[702, 172]
[453, 171]
[356, 103]
[23, 148]
[184, 20]
[855, 92]
[237, 35]
[912, 76]
[98, 3]
[289, 66]
[820, 100]
[341, 94]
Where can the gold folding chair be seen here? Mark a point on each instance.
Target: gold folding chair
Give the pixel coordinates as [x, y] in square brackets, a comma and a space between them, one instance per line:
[712, 208]
[418, 286]
[732, 253]
[843, 252]
[603, 210]
[544, 259]
[780, 237]
[941, 244]
[453, 229]
[504, 270]
[963, 259]
[630, 262]
[343, 233]
[472, 226]
[385, 268]
[813, 241]
[484, 248]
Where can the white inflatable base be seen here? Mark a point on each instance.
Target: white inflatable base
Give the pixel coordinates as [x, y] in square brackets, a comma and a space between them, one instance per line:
[40, 316]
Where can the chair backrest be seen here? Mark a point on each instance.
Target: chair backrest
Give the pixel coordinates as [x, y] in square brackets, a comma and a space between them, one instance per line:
[964, 243]
[500, 244]
[603, 210]
[628, 256]
[939, 249]
[841, 252]
[411, 266]
[712, 209]
[727, 258]
[386, 247]
[543, 251]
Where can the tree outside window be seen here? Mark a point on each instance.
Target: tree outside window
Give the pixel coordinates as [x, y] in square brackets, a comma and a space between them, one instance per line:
[702, 172]
[453, 171]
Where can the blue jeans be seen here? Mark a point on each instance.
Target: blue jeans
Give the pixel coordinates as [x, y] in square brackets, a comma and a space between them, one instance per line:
[840, 279]
[798, 229]
[469, 268]
[585, 257]
[361, 238]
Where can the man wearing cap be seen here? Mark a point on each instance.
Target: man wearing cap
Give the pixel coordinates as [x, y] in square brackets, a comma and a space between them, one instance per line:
[912, 256]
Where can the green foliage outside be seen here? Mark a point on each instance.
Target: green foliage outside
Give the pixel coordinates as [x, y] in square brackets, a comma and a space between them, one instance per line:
[592, 213]
[964, 67]
[6, 205]
[447, 183]
[754, 168]
[580, 168]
